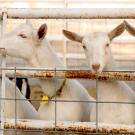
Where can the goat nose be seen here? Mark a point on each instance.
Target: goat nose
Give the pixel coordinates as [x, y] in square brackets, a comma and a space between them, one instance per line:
[96, 67]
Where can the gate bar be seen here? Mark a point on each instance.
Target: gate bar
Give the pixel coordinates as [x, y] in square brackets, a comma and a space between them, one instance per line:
[70, 13]
[3, 75]
[121, 76]
[83, 127]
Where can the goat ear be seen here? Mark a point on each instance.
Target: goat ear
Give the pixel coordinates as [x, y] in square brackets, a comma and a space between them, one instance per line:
[117, 31]
[72, 36]
[129, 28]
[42, 31]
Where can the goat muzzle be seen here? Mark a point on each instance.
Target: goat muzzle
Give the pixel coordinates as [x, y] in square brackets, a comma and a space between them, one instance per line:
[96, 67]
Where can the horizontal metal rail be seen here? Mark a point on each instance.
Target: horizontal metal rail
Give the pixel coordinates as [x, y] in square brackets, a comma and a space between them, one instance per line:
[70, 101]
[70, 13]
[83, 127]
[82, 74]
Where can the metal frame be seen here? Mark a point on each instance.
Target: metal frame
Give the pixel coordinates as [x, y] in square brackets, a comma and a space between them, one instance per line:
[56, 126]
[60, 13]
[69, 73]
[3, 84]
[69, 127]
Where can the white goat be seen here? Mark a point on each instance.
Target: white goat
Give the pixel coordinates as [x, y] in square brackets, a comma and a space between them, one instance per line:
[99, 57]
[28, 44]
[24, 110]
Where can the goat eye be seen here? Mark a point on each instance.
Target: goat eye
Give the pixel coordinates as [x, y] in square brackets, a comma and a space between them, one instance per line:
[107, 45]
[22, 35]
[84, 47]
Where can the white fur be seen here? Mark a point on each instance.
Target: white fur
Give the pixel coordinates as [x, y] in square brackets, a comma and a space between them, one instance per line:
[24, 110]
[38, 53]
[97, 52]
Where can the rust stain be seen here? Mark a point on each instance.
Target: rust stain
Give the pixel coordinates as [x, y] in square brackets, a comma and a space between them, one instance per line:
[81, 129]
[44, 74]
[78, 74]
[93, 130]
[72, 129]
[125, 76]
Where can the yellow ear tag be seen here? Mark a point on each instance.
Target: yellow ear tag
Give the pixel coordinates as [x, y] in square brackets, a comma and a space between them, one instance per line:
[45, 99]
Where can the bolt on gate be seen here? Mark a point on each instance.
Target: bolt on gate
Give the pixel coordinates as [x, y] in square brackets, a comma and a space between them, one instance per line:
[59, 126]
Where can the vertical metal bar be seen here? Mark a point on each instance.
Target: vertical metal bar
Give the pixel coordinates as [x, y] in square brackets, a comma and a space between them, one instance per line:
[2, 94]
[55, 100]
[97, 104]
[15, 103]
[3, 84]
[1, 120]
[65, 41]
